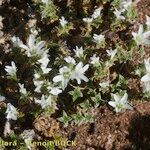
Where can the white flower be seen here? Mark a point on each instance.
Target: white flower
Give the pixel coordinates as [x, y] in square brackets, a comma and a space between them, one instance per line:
[28, 136]
[22, 90]
[97, 13]
[33, 48]
[70, 60]
[141, 37]
[7, 128]
[63, 22]
[88, 20]
[125, 3]
[99, 38]
[34, 31]
[38, 85]
[78, 73]
[16, 41]
[120, 103]
[45, 69]
[147, 64]
[146, 78]
[45, 1]
[146, 86]
[11, 70]
[63, 77]
[37, 75]
[79, 51]
[44, 62]
[44, 102]
[111, 53]
[2, 98]
[118, 14]
[11, 112]
[148, 21]
[104, 84]
[95, 60]
[55, 90]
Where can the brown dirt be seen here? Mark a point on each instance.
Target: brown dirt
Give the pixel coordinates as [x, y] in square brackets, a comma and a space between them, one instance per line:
[110, 131]
[143, 7]
[129, 130]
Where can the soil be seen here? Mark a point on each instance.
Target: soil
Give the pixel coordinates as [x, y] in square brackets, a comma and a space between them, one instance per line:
[127, 131]
[124, 131]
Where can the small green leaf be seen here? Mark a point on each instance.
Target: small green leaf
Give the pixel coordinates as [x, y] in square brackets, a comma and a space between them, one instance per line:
[76, 93]
[97, 100]
[65, 119]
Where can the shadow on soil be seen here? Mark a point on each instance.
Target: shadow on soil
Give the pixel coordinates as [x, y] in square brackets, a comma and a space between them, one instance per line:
[139, 133]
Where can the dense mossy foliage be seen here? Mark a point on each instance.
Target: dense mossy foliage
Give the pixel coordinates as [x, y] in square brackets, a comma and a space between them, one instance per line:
[84, 60]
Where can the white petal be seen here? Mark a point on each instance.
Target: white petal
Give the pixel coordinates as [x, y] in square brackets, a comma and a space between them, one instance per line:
[146, 34]
[78, 80]
[85, 67]
[145, 78]
[24, 47]
[45, 70]
[7, 128]
[37, 101]
[111, 103]
[124, 98]
[147, 65]
[79, 66]
[83, 77]
[134, 34]
[147, 20]
[55, 91]
[116, 97]
[11, 112]
[13, 65]
[140, 31]
[65, 83]
[40, 45]
[58, 78]
[2, 98]
[31, 40]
